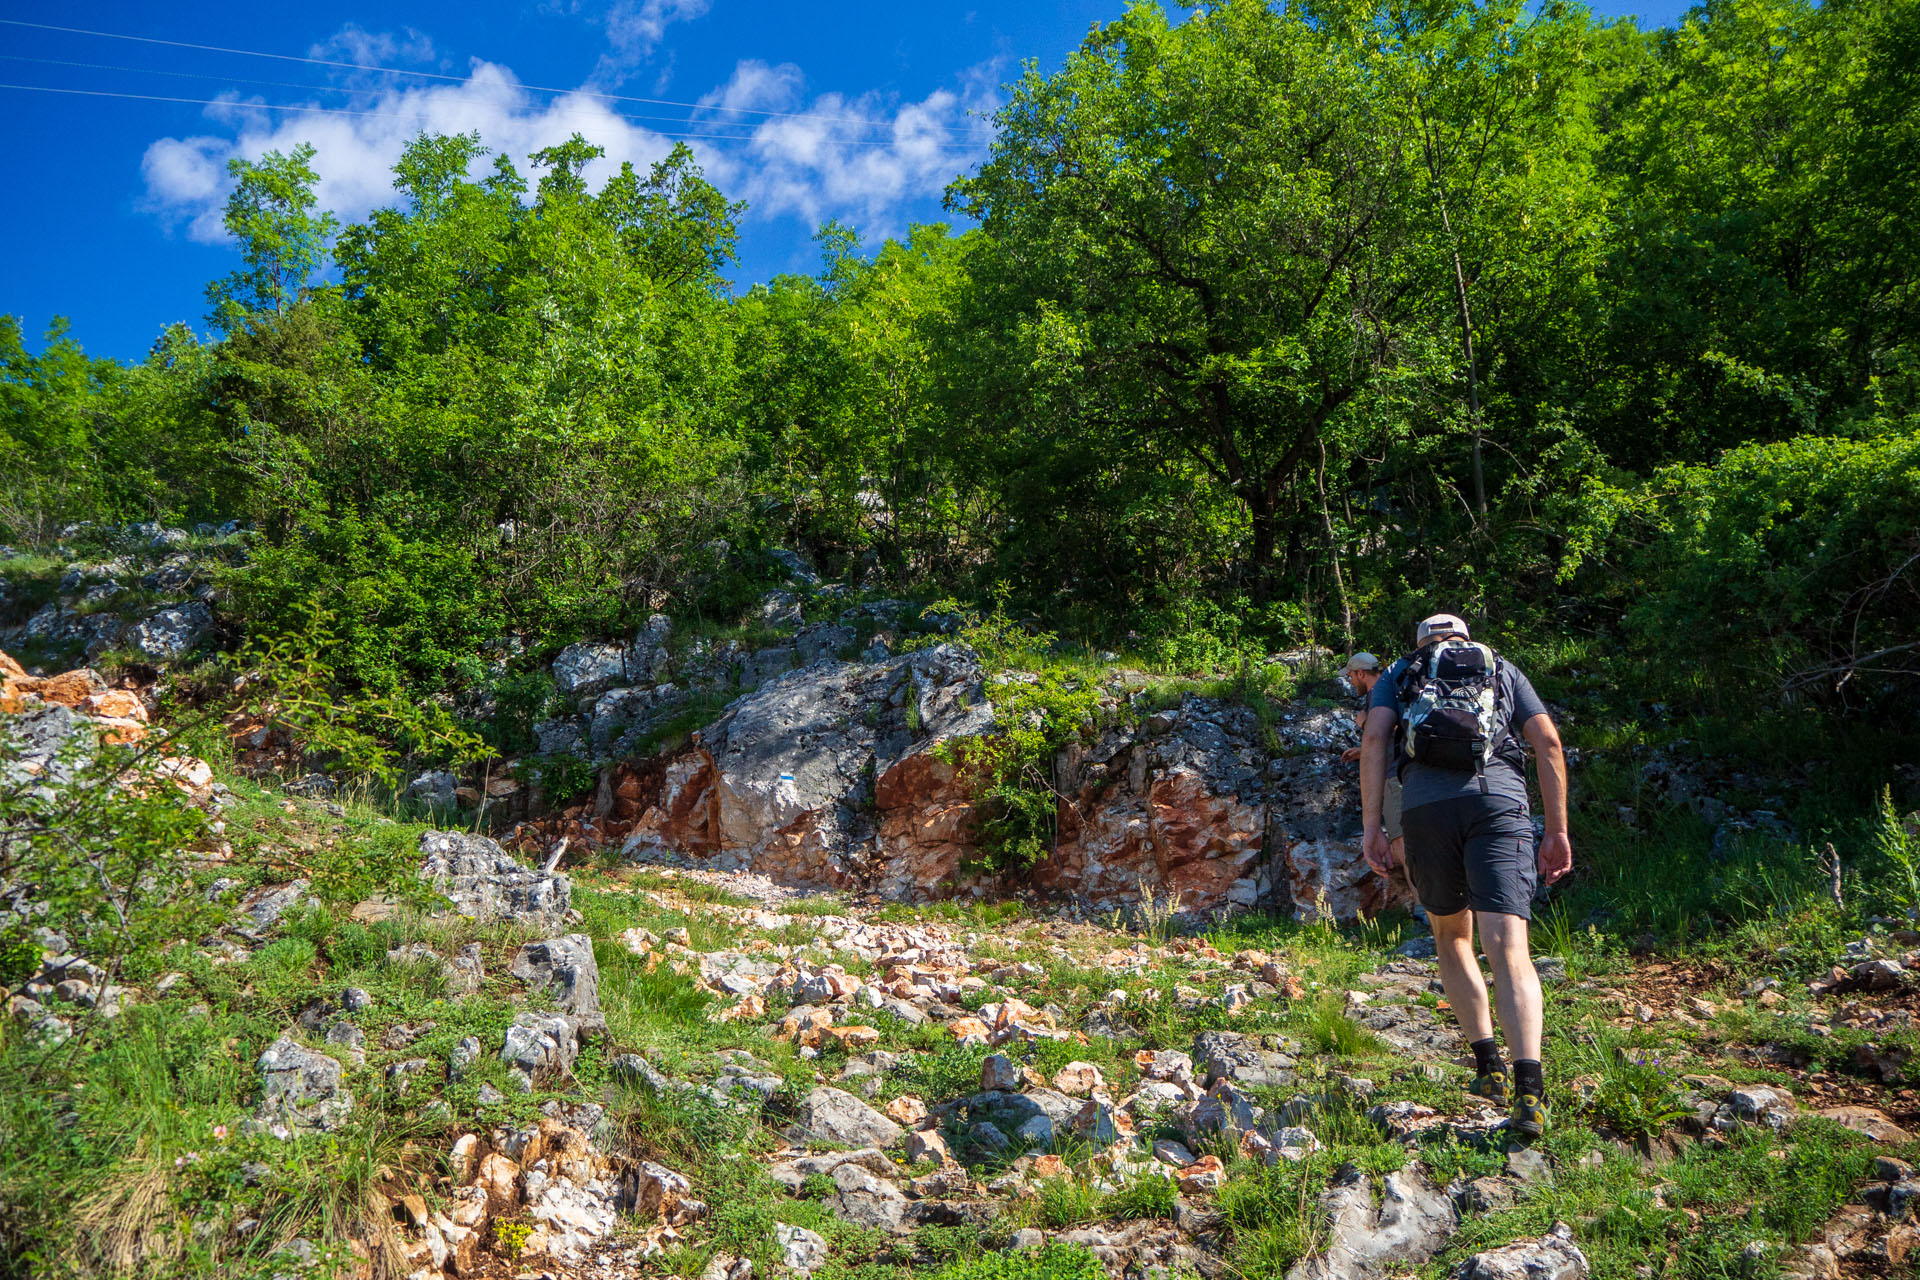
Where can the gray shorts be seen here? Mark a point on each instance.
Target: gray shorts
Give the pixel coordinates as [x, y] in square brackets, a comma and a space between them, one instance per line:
[1390, 808]
[1472, 851]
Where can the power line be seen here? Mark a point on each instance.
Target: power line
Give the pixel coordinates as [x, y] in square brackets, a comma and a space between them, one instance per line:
[435, 75]
[394, 115]
[331, 88]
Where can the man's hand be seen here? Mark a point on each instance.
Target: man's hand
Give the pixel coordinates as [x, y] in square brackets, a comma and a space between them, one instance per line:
[1378, 852]
[1350, 754]
[1556, 856]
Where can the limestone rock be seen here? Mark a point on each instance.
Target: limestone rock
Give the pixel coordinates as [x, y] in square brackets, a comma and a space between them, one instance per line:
[1551, 1257]
[827, 1114]
[800, 1249]
[541, 1041]
[172, 632]
[866, 1200]
[564, 970]
[435, 789]
[1412, 1221]
[590, 667]
[1240, 1058]
[999, 1072]
[789, 780]
[1079, 1079]
[485, 883]
[300, 1087]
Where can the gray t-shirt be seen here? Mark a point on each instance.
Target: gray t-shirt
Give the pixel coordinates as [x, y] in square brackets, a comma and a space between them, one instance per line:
[1506, 772]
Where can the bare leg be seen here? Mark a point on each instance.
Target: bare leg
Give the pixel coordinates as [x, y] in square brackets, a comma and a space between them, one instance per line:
[1515, 984]
[1460, 973]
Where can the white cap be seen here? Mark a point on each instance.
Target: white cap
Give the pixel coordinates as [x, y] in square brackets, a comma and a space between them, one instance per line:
[1363, 662]
[1439, 624]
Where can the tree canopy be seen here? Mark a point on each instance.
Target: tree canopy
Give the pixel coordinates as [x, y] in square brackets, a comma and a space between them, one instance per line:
[1274, 324]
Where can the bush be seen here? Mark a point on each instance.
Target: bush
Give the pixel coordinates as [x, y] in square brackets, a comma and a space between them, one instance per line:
[103, 845]
[1795, 565]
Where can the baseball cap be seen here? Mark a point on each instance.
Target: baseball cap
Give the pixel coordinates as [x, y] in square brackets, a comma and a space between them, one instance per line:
[1439, 624]
[1363, 662]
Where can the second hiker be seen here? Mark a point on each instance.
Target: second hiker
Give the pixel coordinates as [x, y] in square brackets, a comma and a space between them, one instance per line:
[1449, 718]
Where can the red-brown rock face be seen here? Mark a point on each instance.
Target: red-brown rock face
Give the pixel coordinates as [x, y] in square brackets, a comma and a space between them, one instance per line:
[1178, 841]
[823, 777]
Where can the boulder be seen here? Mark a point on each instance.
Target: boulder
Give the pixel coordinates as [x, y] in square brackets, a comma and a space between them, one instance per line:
[867, 1200]
[833, 1115]
[301, 1088]
[485, 883]
[788, 781]
[590, 667]
[1079, 1079]
[1412, 1221]
[801, 1250]
[50, 741]
[1000, 1073]
[1240, 1058]
[435, 789]
[1553, 1256]
[1871, 1121]
[265, 906]
[172, 632]
[564, 970]
[541, 1041]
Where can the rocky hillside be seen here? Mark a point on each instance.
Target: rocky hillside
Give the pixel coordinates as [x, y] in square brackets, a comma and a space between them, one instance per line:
[745, 1004]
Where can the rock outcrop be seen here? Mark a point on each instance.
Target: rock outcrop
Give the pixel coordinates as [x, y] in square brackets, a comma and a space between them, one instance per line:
[832, 775]
[789, 780]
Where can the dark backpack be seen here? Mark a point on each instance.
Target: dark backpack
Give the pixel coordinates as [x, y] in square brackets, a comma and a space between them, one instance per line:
[1451, 715]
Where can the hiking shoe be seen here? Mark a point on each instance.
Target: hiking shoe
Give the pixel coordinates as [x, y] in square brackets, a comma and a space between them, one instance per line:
[1492, 1086]
[1529, 1118]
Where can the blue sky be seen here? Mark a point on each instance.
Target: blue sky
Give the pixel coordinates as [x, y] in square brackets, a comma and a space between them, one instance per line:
[858, 111]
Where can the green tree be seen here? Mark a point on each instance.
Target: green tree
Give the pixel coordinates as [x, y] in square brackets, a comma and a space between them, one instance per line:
[1211, 221]
[270, 212]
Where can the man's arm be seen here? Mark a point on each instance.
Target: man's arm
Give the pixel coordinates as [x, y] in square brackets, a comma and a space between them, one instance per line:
[1556, 849]
[1359, 722]
[1374, 749]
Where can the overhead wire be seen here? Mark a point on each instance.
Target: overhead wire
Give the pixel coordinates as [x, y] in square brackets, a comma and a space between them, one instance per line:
[444, 76]
[243, 105]
[349, 89]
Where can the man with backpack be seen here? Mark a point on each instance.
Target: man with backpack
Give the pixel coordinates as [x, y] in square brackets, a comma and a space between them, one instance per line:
[1451, 715]
[1363, 673]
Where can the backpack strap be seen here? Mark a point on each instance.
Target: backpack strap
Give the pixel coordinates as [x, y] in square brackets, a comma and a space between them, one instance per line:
[1499, 726]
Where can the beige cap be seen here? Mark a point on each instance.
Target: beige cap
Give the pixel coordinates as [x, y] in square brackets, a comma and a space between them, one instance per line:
[1363, 662]
[1439, 624]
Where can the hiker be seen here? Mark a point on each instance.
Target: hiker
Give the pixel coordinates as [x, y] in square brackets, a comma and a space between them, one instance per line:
[1363, 673]
[1448, 714]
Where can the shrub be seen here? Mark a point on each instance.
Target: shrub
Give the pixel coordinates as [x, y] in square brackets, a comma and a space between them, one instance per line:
[103, 844]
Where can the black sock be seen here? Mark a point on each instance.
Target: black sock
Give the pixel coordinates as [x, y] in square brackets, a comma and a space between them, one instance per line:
[1486, 1057]
[1529, 1078]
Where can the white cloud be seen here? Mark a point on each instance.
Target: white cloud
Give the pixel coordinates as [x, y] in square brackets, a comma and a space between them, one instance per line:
[635, 29]
[374, 49]
[853, 157]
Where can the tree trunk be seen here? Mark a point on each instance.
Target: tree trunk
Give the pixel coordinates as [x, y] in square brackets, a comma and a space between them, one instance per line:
[1333, 550]
[1473, 375]
[1262, 512]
